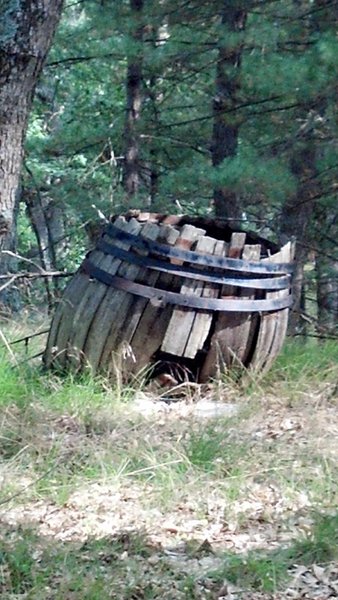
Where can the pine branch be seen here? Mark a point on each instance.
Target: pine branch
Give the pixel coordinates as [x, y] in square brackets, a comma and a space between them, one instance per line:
[235, 108]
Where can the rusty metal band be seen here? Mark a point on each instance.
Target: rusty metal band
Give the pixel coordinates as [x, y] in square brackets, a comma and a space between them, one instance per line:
[162, 297]
[244, 281]
[196, 258]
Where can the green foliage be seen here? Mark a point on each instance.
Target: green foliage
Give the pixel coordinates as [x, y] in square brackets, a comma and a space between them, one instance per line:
[8, 23]
[20, 564]
[320, 546]
[209, 450]
[304, 363]
[76, 132]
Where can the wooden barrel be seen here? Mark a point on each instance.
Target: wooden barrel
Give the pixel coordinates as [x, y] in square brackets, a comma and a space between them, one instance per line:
[170, 289]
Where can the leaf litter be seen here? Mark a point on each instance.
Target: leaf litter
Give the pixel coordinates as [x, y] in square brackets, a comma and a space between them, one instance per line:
[190, 536]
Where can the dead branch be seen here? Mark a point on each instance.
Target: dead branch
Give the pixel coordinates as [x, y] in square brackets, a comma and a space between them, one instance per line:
[28, 337]
[14, 277]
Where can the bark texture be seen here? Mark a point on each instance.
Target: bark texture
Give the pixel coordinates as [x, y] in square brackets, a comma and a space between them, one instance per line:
[226, 124]
[296, 218]
[131, 175]
[26, 33]
[326, 270]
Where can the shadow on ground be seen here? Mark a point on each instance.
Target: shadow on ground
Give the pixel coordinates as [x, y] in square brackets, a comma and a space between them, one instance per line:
[130, 566]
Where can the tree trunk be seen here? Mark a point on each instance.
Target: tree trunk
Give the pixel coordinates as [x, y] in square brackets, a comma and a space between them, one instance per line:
[131, 174]
[326, 269]
[297, 215]
[26, 35]
[296, 218]
[226, 125]
[47, 222]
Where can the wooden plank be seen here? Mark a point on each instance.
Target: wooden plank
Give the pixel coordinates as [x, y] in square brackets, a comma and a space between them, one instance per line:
[223, 343]
[152, 326]
[164, 234]
[203, 319]
[178, 330]
[53, 353]
[121, 304]
[91, 299]
[247, 323]
[274, 324]
[189, 234]
[107, 310]
[62, 328]
[143, 328]
[78, 290]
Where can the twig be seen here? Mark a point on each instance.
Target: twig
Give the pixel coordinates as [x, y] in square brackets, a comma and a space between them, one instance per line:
[319, 336]
[25, 360]
[29, 275]
[23, 258]
[29, 485]
[9, 349]
[8, 283]
[28, 337]
[153, 467]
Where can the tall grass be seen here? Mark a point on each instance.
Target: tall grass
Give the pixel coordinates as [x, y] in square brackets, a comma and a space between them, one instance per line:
[309, 362]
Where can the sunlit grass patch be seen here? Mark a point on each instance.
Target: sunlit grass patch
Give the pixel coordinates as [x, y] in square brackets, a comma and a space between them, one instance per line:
[209, 449]
[310, 362]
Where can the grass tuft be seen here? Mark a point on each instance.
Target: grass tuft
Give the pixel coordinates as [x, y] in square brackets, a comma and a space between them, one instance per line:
[99, 499]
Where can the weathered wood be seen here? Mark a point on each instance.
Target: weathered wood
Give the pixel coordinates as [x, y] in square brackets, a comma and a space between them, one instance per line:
[181, 321]
[91, 300]
[53, 352]
[282, 317]
[63, 321]
[145, 339]
[195, 325]
[150, 277]
[203, 319]
[223, 345]
[95, 324]
[75, 299]
[149, 335]
[248, 329]
[189, 235]
[108, 310]
[122, 303]
[273, 325]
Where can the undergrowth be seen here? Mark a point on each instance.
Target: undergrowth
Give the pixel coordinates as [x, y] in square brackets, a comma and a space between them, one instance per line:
[101, 499]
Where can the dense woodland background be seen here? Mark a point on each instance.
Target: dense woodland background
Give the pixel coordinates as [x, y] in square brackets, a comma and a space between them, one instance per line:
[212, 107]
[223, 107]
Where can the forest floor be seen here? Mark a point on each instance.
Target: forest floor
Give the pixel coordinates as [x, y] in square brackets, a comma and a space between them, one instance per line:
[230, 492]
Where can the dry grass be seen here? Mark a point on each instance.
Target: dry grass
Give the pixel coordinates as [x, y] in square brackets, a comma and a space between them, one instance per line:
[112, 493]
